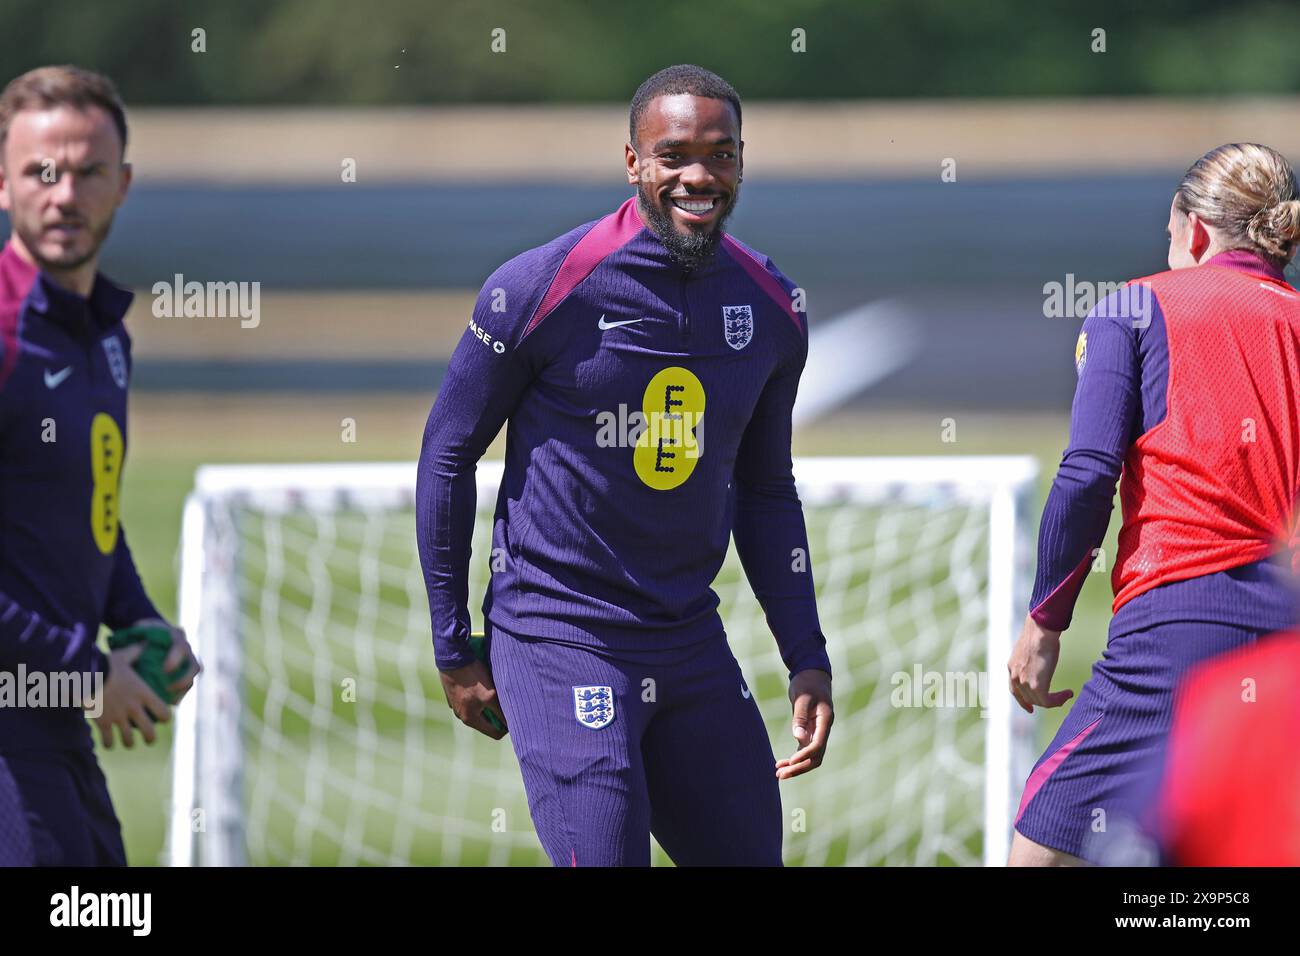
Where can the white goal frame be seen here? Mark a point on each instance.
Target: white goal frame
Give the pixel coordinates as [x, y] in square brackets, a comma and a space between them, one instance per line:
[207, 755]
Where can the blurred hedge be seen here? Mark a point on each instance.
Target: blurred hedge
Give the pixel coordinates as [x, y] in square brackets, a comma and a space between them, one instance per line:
[336, 52]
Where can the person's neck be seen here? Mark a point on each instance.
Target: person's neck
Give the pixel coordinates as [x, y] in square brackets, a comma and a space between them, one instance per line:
[80, 280]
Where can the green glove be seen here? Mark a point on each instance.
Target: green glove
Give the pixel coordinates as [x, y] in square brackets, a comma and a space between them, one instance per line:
[478, 644]
[149, 665]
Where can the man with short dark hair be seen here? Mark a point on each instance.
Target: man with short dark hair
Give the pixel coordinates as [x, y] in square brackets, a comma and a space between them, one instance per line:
[65, 568]
[627, 710]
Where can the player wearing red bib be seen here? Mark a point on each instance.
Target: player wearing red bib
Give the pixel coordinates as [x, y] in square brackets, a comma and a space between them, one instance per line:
[1187, 387]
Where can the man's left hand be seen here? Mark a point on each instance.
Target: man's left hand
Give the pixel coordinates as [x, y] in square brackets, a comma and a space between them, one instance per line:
[810, 699]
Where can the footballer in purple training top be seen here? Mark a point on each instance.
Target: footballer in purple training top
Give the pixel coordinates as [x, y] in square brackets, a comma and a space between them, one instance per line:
[65, 568]
[647, 364]
[1186, 397]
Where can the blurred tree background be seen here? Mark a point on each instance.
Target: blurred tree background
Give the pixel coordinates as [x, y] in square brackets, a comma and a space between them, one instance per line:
[393, 52]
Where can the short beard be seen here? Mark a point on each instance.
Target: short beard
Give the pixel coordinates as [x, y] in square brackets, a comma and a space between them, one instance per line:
[692, 250]
[97, 236]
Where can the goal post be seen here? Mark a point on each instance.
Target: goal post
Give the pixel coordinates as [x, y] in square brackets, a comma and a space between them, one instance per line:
[318, 733]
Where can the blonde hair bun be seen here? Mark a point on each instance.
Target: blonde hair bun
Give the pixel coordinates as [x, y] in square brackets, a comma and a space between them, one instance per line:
[1248, 192]
[1276, 229]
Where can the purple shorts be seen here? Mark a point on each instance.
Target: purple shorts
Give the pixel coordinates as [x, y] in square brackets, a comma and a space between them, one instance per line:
[65, 805]
[614, 749]
[1090, 791]
[15, 832]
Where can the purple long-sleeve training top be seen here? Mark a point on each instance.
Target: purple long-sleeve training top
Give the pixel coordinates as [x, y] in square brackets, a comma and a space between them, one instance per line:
[1123, 362]
[65, 568]
[649, 412]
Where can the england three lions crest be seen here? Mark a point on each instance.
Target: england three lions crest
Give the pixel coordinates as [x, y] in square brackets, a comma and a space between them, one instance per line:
[738, 325]
[594, 706]
[116, 360]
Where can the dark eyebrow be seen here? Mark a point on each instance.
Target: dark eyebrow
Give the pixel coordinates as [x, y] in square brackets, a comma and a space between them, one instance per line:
[679, 143]
[38, 162]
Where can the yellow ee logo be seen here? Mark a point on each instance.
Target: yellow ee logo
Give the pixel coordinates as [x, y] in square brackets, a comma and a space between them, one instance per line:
[105, 475]
[672, 441]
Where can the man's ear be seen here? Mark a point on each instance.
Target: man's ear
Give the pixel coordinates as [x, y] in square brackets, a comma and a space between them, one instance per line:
[127, 172]
[740, 162]
[4, 190]
[630, 157]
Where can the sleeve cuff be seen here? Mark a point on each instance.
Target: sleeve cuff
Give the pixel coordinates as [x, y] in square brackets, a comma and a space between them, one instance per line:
[814, 658]
[449, 659]
[99, 661]
[138, 610]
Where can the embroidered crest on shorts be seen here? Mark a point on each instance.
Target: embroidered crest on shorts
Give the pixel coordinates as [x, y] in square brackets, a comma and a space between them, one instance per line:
[594, 706]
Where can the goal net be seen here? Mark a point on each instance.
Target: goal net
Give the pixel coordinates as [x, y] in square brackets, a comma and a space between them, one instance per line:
[319, 733]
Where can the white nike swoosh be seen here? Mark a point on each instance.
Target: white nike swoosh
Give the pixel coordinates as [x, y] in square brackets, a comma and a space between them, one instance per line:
[55, 380]
[602, 324]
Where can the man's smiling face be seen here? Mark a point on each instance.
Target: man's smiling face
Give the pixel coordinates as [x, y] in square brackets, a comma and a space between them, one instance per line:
[686, 164]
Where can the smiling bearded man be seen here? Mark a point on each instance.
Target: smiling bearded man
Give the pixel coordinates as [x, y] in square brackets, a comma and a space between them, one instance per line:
[628, 711]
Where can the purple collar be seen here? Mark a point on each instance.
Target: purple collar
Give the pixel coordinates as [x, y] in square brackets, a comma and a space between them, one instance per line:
[1243, 260]
[106, 304]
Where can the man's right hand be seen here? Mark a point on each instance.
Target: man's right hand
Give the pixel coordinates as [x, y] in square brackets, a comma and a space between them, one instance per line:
[128, 701]
[469, 690]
